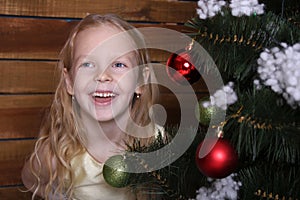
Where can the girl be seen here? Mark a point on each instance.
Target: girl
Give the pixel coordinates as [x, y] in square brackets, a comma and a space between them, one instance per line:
[104, 80]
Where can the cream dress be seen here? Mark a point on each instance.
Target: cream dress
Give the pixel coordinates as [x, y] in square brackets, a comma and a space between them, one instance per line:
[90, 184]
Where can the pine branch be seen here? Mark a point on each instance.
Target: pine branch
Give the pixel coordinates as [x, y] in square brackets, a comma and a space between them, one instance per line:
[179, 180]
[270, 181]
[264, 130]
[235, 43]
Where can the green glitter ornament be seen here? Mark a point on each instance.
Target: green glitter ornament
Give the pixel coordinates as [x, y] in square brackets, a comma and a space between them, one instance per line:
[204, 114]
[115, 172]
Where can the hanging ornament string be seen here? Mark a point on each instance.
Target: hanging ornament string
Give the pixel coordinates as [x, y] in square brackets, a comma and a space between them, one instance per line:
[263, 194]
[180, 66]
[250, 120]
[255, 123]
[241, 40]
[190, 46]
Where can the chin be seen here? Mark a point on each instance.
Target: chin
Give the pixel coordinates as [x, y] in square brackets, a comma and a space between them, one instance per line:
[104, 118]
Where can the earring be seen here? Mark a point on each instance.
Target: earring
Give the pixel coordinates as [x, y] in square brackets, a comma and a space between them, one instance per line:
[138, 95]
[73, 98]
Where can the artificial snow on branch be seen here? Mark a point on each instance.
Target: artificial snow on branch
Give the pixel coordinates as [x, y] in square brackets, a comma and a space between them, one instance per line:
[210, 8]
[223, 97]
[246, 7]
[279, 68]
[221, 189]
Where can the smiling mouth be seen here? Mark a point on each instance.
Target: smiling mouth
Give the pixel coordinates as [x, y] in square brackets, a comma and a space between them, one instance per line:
[103, 97]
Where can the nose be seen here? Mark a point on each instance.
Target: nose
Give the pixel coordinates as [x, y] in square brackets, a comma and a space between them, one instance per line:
[104, 76]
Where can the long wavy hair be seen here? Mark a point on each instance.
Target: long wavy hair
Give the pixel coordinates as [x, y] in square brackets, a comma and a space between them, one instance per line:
[60, 137]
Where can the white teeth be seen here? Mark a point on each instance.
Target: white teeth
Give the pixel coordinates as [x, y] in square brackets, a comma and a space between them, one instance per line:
[103, 95]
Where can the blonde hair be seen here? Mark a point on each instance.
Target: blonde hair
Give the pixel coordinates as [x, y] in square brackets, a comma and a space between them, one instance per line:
[60, 137]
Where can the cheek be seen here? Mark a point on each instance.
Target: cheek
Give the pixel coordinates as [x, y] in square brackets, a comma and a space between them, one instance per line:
[81, 81]
[128, 82]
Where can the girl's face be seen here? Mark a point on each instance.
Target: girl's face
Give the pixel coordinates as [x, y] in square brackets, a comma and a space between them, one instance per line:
[104, 72]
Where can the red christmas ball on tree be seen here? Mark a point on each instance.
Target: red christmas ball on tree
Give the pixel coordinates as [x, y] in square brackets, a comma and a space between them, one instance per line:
[181, 63]
[220, 158]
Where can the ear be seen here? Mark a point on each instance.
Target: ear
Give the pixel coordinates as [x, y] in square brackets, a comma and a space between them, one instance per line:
[146, 74]
[69, 82]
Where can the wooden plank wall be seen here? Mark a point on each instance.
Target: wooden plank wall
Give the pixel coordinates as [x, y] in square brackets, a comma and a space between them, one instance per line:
[31, 34]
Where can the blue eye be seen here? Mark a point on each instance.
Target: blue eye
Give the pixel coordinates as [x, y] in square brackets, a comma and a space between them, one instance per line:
[119, 65]
[87, 64]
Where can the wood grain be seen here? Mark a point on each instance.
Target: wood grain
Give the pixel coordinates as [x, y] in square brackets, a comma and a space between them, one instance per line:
[25, 101]
[21, 115]
[34, 38]
[136, 10]
[28, 77]
[29, 38]
[20, 122]
[14, 193]
[12, 157]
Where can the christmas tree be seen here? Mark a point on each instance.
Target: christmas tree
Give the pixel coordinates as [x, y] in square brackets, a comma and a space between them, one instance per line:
[256, 47]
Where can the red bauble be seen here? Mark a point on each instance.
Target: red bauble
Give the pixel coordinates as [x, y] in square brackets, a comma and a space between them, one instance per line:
[183, 68]
[220, 161]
